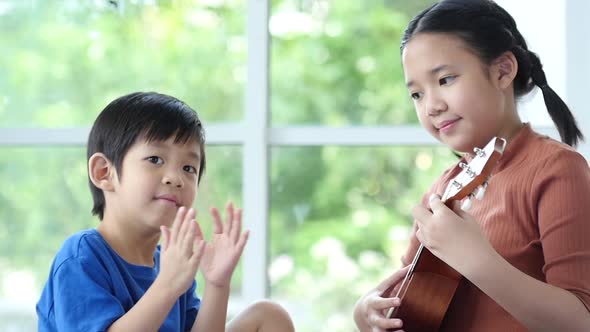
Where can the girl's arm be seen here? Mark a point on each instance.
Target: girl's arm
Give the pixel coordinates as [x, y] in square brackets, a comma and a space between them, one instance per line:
[537, 305]
[559, 196]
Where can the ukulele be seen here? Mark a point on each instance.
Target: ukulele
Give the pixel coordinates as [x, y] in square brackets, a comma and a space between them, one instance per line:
[429, 285]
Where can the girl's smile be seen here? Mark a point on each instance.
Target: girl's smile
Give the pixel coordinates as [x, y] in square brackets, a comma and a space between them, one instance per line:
[460, 101]
[447, 125]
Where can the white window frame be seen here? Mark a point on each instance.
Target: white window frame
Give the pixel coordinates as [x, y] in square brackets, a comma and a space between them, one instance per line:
[256, 135]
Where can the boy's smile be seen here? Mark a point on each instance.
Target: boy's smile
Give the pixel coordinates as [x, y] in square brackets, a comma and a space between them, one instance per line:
[169, 199]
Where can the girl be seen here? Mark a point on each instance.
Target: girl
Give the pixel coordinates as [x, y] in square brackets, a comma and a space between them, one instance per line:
[524, 250]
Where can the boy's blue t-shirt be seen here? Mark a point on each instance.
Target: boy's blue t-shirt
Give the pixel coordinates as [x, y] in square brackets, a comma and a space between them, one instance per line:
[90, 286]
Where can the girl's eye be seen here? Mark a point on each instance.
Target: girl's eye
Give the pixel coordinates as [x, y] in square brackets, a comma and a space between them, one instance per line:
[155, 160]
[416, 95]
[190, 169]
[446, 80]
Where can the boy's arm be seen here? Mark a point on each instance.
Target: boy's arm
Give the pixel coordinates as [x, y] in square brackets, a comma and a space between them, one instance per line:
[213, 311]
[220, 258]
[178, 264]
[149, 312]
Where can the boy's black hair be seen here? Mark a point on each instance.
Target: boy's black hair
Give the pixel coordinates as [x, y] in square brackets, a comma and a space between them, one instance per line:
[490, 31]
[141, 115]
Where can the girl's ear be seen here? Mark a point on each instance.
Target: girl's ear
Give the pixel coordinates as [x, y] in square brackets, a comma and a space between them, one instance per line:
[101, 171]
[504, 70]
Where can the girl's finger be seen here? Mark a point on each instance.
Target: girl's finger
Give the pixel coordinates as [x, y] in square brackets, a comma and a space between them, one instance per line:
[385, 303]
[419, 236]
[383, 323]
[393, 279]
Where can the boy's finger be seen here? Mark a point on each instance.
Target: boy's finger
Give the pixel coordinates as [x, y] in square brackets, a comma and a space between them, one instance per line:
[184, 225]
[217, 226]
[198, 231]
[242, 241]
[236, 228]
[198, 252]
[165, 236]
[176, 224]
[188, 239]
[229, 210]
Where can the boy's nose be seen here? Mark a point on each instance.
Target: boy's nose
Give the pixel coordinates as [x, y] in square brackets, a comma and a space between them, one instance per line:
[173, 179]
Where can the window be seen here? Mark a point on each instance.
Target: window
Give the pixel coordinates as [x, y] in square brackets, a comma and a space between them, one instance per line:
[308, 122]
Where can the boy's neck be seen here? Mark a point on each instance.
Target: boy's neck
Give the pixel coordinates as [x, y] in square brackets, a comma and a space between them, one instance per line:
[131, 244]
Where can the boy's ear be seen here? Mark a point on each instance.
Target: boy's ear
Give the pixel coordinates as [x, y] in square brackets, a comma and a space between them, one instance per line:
[101, 171]
[504, 69]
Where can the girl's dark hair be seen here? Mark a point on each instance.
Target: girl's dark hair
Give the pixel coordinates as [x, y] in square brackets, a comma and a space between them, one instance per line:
[490, 31]
[141, 115]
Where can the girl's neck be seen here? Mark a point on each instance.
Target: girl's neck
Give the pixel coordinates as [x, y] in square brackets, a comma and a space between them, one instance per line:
[512, 122]
[508, 133]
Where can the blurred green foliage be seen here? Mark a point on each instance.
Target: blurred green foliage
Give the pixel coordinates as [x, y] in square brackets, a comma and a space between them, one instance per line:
[339, 216]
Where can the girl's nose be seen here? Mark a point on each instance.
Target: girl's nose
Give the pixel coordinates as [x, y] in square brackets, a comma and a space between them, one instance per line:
[435, 106]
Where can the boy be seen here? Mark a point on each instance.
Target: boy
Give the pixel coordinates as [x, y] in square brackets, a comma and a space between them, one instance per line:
[146, 157]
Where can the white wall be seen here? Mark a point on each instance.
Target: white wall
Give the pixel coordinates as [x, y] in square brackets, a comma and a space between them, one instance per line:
[558, 31]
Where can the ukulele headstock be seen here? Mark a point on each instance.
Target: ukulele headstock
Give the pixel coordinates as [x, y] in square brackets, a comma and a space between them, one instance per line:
[473, 179]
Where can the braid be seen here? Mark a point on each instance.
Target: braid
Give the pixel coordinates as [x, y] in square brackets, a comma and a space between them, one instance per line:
[530, 74]
[537, 72]
[558, 110]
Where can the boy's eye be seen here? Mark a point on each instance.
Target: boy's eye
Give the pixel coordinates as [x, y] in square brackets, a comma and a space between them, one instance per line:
[446, 80]
[190, 169]
[155, 160]
[416, 95]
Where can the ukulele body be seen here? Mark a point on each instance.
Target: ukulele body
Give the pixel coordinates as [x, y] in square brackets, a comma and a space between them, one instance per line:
[426, 294]
[430, 284]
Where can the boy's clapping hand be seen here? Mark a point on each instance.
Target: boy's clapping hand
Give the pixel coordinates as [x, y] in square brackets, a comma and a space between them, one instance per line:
[181, 251]
[223, 252]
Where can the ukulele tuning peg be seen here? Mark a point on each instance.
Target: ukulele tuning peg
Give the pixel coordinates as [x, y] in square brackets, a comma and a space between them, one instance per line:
[479, 152]
[481, 191]
[466, 204]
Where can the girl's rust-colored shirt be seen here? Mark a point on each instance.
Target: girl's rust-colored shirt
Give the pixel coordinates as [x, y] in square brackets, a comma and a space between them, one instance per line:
[536, 214]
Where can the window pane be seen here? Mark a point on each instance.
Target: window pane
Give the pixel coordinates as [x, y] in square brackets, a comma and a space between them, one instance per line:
[45, 198]
[338, 62]
[63, 61]
[339, 224]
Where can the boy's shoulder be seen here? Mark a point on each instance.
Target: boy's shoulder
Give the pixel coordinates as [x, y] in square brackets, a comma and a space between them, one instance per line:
[82, 246]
